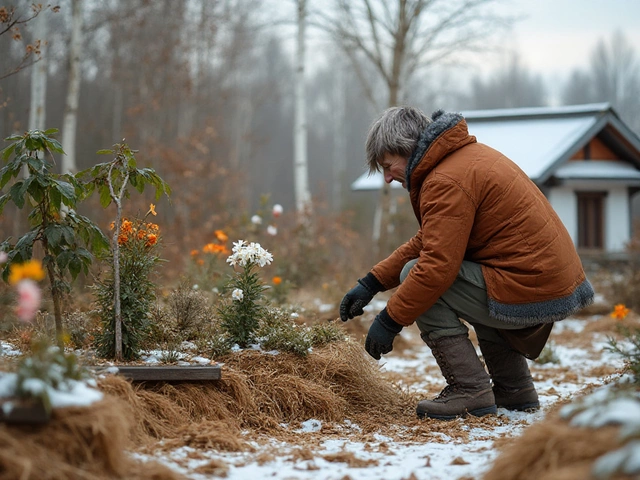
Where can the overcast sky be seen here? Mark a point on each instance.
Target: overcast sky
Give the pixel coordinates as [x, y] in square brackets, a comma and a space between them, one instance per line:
[555, 36]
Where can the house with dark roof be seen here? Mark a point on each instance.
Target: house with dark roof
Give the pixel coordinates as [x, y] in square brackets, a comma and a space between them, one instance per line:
[582, 157]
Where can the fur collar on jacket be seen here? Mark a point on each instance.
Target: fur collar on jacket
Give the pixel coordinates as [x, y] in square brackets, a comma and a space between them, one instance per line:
[440, 122]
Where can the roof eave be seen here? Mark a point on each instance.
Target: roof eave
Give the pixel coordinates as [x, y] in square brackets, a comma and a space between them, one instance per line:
[577, 145]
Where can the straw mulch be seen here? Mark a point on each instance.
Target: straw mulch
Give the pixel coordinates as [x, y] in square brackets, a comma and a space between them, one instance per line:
[553, 450]
[259, 391]
[78, 443]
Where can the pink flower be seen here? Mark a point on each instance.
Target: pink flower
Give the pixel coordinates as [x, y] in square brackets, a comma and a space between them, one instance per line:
[29, 298]
[277, 210]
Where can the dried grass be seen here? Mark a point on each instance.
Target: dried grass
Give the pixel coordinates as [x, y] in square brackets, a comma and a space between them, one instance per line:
[553, 450]
[78, 443]
[261, 391]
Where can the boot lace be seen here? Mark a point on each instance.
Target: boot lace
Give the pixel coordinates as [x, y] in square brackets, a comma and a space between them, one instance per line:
[446, 391]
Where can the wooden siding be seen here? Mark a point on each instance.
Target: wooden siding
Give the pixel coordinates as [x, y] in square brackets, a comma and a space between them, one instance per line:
[597, 151]
[139, 373]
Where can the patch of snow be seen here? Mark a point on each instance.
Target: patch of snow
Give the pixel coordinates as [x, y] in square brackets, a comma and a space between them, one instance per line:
[71, 393]
[625, 460]
[188, 346]
[201, 360]
[570, 324]
[6, 349]
[311, 425]
[8, 384]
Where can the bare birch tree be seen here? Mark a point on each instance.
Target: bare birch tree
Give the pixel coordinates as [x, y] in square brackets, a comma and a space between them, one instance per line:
[37, 111]
[73, 90]
[301, 176]
[398, 38]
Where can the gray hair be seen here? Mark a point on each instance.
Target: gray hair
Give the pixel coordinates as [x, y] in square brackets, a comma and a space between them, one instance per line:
[397, 132]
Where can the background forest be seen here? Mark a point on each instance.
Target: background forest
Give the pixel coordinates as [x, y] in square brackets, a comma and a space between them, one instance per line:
[204, 90]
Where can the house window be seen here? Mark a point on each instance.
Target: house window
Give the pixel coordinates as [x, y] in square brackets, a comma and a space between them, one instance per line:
[591, 220]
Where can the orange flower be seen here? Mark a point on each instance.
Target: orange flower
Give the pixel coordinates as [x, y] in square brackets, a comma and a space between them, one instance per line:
[141, 234]
[122, 239]
[153, 227]
[200, 261]
[221, 236]
[276, 280]
[195, 253]
[126, 227]
[152, 210]
[215, 248]
[112, 225]
[152, 239]
[209, 248]
[619, 311]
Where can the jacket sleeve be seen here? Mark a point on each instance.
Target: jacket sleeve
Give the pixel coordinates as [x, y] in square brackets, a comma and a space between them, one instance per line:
[388, 270]
[447, 217]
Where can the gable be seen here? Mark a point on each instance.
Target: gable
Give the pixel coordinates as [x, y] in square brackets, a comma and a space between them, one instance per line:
[595, 150]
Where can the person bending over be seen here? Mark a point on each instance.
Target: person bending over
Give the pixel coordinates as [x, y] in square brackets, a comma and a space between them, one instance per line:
[490, 249]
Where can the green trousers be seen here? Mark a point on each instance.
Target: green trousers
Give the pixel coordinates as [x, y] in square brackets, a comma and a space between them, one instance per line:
[465, 299]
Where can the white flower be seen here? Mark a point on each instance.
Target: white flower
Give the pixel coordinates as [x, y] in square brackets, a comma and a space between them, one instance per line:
[272, 230]
[253, 253]
[237, 294]
[277, 210]
[195, 286]
[256, 220]
[3, 257]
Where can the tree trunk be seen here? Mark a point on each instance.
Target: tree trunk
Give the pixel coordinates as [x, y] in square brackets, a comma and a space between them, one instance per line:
[300, 173]
[339, 137]
[382, 245]
[39, 79]
[73, 91]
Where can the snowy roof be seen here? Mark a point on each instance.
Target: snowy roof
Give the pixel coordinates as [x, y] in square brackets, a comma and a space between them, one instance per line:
[540, 140]
[598, 170]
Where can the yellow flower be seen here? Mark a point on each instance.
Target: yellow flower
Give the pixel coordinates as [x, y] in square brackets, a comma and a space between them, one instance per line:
[619, 311]
[31, 269]
[276, 280]
[152, 210]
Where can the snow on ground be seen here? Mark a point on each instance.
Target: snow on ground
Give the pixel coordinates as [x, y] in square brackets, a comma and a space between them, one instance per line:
[582, 361]
[394, 452]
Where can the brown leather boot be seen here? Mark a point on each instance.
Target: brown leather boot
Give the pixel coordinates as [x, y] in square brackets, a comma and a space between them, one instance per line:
[512, 383]
[468, 387]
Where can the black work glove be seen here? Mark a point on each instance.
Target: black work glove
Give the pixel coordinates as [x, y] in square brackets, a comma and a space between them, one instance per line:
[381, 334]
[359, 297]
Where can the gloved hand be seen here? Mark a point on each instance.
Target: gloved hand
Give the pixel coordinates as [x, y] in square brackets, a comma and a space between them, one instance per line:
[359, 297]
[381, 334]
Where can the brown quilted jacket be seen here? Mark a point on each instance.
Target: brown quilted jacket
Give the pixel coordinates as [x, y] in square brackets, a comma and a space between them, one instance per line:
[473, 203]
